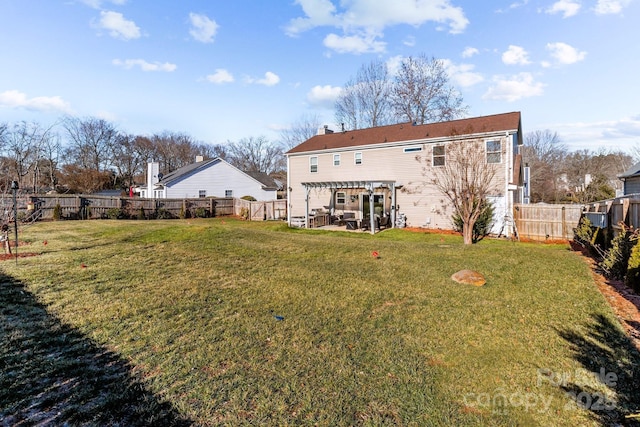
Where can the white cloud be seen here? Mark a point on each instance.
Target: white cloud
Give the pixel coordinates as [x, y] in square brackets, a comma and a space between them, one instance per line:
[359, 19]
[462, 74]
[323, 96]
[220, 76]
[515, 55]
[118, 26]
[513, 88]
[564, 54]
[203, 28]
[354, 44]
[568, 8]
[468, 52]
[97, 4]
[409, 41]
[513, 6]
[393, 64]
[17, 99]
[270, 79]
[622, 133]
[608, 7]
[128, 64]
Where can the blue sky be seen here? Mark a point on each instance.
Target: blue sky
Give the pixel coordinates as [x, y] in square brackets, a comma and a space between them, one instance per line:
[224, 70]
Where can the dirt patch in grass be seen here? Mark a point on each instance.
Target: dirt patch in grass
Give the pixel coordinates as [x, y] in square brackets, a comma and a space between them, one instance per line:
[5, 256]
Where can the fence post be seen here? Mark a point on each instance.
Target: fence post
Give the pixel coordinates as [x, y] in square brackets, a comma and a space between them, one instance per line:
[564, 222]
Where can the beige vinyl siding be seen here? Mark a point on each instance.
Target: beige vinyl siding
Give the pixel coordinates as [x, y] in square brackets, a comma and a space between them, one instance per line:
[419, 200]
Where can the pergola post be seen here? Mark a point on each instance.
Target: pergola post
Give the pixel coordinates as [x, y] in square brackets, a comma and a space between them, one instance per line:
[393, 205]
[372, 218]
[306, 211]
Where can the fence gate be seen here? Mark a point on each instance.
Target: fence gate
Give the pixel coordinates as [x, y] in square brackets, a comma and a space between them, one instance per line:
[257, 211]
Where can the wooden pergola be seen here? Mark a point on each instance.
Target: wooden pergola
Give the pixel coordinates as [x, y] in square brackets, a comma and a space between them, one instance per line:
[366, 185]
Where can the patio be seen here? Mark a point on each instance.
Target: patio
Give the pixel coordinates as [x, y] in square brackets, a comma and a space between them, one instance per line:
[355, 205]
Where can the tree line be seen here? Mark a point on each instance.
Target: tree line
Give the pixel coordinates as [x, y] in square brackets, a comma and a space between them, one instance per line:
[86, 155]
[562, 176]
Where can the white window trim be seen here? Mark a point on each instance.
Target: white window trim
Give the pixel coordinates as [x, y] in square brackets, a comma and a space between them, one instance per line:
[336, 157]
[444, 156]
[311, 164]
[355, 158]
[487, 152]
[344, 197]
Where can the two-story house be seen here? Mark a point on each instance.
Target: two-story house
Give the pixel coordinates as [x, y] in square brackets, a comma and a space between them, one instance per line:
[386, 171]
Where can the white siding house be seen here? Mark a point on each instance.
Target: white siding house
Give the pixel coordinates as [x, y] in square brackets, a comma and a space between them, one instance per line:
[208, 178]
[392, 166]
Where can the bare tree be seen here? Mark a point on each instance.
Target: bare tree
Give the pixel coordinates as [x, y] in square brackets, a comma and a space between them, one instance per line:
[423, 94]
[301, 130]
[91, 142]
[23, 145]
[545, 154]
[126, 160]
[256, 155]
[174, 150]
[466, 180]
[602, 164]
[364, 101]
[50, 159]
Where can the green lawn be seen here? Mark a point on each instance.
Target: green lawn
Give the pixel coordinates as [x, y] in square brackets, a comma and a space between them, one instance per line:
[173, 322]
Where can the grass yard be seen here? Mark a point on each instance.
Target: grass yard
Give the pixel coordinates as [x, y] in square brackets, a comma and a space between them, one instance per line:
[180, 322]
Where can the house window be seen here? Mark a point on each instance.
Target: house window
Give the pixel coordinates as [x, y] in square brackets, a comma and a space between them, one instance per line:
[202, 193]
[341, 198]
[313, 164]
[336, 160]
[494, 152]
[228, 193]
[412, 149]
[438, 155]
[357, 158]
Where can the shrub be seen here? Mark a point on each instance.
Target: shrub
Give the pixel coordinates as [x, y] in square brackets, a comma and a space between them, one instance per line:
[616, 258]
[141, 214]
[115, 213]
[583, 233]
[482, 225]
[201, 212]
[632, 278]
[248, 198]
[57, 212]
[244, 213]
[163, 214]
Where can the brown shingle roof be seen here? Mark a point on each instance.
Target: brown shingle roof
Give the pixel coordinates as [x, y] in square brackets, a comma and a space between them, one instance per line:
[408, 132]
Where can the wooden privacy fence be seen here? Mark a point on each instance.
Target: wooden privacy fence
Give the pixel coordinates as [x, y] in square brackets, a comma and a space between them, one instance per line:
[35, 207]
[615, 211]
[547, 222]
[260, 211]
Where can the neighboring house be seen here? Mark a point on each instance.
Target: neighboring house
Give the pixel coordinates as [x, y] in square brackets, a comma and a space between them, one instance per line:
[207, 178]
[342, 172]
[631, 180]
